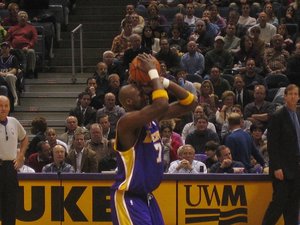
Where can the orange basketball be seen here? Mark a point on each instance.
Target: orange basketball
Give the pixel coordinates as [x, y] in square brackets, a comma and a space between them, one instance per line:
[137, 74]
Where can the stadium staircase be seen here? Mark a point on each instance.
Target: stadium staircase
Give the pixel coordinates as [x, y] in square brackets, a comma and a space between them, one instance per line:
[53, 93]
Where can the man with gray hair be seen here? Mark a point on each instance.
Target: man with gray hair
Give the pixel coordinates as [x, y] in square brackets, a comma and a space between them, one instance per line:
[23, 37]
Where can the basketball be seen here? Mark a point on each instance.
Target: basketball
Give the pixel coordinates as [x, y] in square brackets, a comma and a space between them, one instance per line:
[136, 73]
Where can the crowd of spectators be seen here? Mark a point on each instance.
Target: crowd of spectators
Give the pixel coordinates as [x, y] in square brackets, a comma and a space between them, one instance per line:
[233, 55]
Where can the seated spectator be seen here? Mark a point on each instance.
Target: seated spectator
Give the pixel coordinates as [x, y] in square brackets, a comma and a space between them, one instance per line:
[210, 151]
[84, 113]
[41, 158]
[102, 147]
[192, 61]
[71, 125]
[153, 12]
[51, 138]
[23, 37]
[191, 127]
[130, 11]
[182, 26]
[149, 41]
[246, 51]
[187, 163]
[256, 131]
[215, 17]
[226, 164]
[96, 98]
[211, 28]
[201, 135]
[111, 109]
[204, 39]
[180, 76]
[58, 165]
[9, 66]
[38, 128]
[101, 76]
[219, 83]
[121, 42]
[288, 40]
[259, 110]
[190, 18]
[12, 18]
[245, 20]
[207, 95]
[114, 85]
[289, 15]
[267, 30]
[242, 95]
[164, 72]
[158, 30]
[218, 56]
[135, 49]
[258, 43]
[231, 41]
[107, 133]
[225, 109]
[241, 144]
[137, 26]
[271, 18]
[82, 159]
[165, 54]
[170, 139]
[275, 57]
[251, 77]
[176, 42]
[245, 124]
[112, 66]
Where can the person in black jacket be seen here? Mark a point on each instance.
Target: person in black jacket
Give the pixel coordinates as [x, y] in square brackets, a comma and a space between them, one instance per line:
[284, 153]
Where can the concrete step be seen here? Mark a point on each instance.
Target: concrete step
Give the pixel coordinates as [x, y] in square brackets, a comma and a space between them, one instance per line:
[61, 53]
[68, 69]
[87, 43]
[104, 26]
[108, 35]
[56, 80]
[96, 18]
[105, 9]
[61, 75]
[68, 61]
[59, 130]
[48, 115]
[38, 101]
[51, 123]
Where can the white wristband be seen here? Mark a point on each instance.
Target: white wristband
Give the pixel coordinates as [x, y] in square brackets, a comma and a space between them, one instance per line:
[153, 74]
[166, 83]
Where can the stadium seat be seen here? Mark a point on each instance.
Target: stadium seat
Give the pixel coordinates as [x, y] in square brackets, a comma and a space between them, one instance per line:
[276, 81]
[200, 157]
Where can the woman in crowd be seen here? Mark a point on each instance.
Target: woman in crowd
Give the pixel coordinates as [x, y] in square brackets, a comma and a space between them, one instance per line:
[149, 41]
[38, 128]
[245, 52]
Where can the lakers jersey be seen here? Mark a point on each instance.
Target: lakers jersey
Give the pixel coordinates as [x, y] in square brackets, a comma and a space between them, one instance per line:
[140, 168]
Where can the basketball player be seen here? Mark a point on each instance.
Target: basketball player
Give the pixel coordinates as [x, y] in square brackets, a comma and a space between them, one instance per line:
[139, 158]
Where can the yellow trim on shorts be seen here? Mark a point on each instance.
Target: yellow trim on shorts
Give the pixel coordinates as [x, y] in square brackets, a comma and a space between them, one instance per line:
[121, 209]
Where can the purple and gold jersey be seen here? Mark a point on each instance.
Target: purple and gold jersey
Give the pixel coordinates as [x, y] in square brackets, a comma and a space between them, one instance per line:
[140, 168]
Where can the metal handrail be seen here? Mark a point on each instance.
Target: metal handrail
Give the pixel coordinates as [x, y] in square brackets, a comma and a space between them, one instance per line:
[79, 27]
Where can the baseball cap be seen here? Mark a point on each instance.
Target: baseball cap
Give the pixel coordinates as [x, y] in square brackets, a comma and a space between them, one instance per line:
[219, 38]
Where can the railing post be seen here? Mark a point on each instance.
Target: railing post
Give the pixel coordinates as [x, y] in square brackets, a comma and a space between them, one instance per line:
[79, 27]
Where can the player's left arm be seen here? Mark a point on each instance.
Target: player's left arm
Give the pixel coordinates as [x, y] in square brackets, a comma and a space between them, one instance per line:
[186, 103]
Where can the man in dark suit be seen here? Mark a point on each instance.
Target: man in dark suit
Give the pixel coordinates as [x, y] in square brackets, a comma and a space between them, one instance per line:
[84, 113]
[284, 154]
[243, 95]
[81, 158]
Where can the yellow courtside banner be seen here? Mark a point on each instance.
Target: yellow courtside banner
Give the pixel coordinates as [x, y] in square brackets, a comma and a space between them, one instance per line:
[78, 199]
